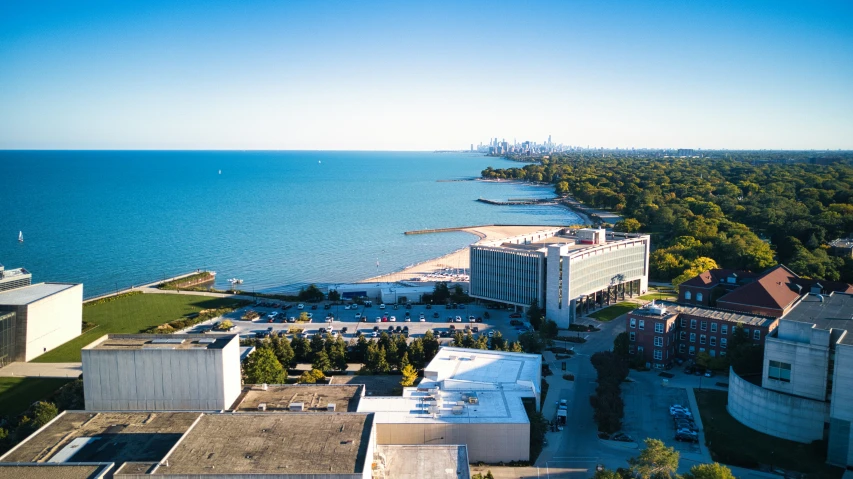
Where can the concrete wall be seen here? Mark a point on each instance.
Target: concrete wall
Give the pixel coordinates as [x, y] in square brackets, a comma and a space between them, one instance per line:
[809, 367]
[840, 452]
[489, 443]
[780, 415]
[161, 379]
[53, 321]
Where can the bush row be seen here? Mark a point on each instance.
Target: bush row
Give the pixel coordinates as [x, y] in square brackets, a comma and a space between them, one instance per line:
[608, 407]
[111, 298]
[200, 317]
[190, 280]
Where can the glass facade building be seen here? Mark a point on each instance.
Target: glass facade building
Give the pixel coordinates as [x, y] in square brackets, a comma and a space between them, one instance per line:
[7, 338]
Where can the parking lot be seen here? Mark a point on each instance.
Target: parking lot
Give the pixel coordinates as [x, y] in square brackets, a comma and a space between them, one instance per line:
[364, 319]
[647, 415]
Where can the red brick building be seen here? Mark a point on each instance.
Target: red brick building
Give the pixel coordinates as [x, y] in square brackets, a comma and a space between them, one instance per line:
[772, 293]
[664, 331]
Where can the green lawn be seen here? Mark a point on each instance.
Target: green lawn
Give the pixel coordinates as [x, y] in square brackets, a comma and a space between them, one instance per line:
[611, 312]
[131, 314]
[660, 296]
[16, 394]
[733, 443]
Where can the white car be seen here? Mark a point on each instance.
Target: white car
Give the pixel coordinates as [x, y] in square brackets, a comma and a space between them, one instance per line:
[491, 334]
[393, 319]
[376, 334]
[458, 319]
[382, 306]
[333, 334]
[300, 306]
[346, 307]
[357, 315]
[471, 319]
[423, 319]
[378, 319]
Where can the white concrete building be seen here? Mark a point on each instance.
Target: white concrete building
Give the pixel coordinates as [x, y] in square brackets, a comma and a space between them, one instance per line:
[568, 272]
[46, 316]
[468, 396]
[176, 372]
[807, 379]
[14, 278]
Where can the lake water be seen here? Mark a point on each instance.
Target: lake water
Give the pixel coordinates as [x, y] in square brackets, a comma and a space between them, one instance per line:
[110, 219]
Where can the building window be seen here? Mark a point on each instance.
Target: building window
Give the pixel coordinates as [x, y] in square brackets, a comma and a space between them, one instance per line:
[658, 354]
[639, 349]
[712, 341]
[746, 333]
[698, 296]
[642, 324]
[681, 348]
[687, 295]
[633, 322]
[722, 354]
[658, 341]
[692, 351]
[659, 327]
[713, 353]
[756, 335]
[692, 324]
[633, 336]
[692, 337]
[723, 342]
[701, 339]
[701, 350]
[713, 327]
[724, 329]
[683, 323]
[779, 371]
[682, 335]
[704, 326]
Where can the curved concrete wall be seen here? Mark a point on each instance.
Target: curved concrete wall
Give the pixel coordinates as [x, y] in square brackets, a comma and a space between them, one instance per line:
[777, 414]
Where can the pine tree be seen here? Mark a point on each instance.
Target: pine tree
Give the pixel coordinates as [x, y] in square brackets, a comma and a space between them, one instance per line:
[321, 362]
[262, 366]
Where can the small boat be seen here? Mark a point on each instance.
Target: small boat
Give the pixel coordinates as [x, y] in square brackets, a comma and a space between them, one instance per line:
[20, 236]
[235, 281]
[220, 172]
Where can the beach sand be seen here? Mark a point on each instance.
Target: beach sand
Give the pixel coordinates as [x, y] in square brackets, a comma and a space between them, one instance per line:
[459, 258]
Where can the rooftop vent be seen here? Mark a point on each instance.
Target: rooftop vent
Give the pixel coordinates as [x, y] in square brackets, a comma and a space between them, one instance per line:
[457, 410]
[262, 406]
[167, 341]
[330, 407]
[296, 407]
[206, 341]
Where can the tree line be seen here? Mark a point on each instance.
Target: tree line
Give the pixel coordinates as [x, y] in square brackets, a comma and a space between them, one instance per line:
[740, 212]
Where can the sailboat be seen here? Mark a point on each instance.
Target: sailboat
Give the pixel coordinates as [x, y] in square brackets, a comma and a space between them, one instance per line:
[20, 236]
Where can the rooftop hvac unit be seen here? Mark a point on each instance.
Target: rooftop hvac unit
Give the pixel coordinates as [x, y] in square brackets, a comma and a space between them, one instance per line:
[296, 407]
[452, 358]
[460, 403]
[167, 341]
[262, 406]
[457, 410]
[264, 386]
[433, 409]
[330, 407]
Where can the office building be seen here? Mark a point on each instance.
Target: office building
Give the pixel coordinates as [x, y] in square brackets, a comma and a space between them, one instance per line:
[43, 316]
[173, 372]
[842, 247]
[14, 278]
[660, 332]
[569, 271]
[467, 396]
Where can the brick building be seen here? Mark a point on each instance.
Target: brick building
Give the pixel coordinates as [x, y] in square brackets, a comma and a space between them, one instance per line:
[772, 293]
[661, 332]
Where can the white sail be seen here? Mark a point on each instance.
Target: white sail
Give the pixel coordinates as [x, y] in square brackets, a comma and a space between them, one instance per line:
[21, 236]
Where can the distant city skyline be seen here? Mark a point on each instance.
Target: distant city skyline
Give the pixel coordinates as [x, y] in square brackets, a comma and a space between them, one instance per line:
[440, 75]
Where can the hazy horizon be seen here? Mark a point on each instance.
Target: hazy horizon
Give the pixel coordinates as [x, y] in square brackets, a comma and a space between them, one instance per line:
[386, 76]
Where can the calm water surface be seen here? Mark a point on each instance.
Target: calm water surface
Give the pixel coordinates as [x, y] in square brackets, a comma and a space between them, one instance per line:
[110, 219]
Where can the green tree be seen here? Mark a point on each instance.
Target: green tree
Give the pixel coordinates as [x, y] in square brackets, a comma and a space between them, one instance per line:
[440, 293]
[375, 362]
[225, 325]
[535, 315]
[263, 367]
[709, 471]
[656, 461]
[498, 341]
[334, 295]
[696, 267]
[531, 342]
[515, 347]
[416, 354]
[606, 474]
[43, 413]
[629, 225]
[409, 376]
[549, 329]
[301, 350]
[431, 346]
[303, 317]
[620, 345]
[338, 355]
[312, 294]
[283, 351]
[321, 362]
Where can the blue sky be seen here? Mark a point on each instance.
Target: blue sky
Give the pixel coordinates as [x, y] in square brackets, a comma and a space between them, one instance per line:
[425, 75]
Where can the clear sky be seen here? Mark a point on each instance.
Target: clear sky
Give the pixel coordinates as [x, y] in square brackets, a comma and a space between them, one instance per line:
[403, 75]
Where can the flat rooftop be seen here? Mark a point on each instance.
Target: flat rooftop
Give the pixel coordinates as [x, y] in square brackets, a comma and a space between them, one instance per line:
[13, 273]
[160, 341]
[32, 293]
[270, 443]
[834, 312]
[424, 461]
[315, 397]
[568, 239]
[673, 309]
[453, 366]
[53, 471]
[115, 437]
[417, 406]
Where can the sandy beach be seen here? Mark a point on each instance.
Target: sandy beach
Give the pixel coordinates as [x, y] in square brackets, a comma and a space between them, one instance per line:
[487, 234]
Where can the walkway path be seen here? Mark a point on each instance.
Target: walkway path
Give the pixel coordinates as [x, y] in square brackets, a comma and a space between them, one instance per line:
[44, 370]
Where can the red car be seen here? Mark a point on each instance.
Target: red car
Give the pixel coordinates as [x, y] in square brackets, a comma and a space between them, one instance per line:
[384, 319]
[515, 315]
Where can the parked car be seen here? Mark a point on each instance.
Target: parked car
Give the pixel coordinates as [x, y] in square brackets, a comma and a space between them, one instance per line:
[393, 319]
[357, 315]
[378, 319]
[678, 408]
[458, 319]
[709, 374]
[435, 315]
[515, 315]
[515, 322]
[327, 306]
[344, 330]
[429, 306]
[686, 437]
[376, 328]
[300, 306]
[475, 329]
[375, 334]
[479, 319]
[382, 306]
[688, 370]
[452, 327]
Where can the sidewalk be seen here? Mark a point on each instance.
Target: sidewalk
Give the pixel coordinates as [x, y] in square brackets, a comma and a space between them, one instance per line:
[44, 370]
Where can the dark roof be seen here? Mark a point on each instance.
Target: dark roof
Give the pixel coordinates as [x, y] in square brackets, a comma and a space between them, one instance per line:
[832, 311]
[714, 277]
[775, 289]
